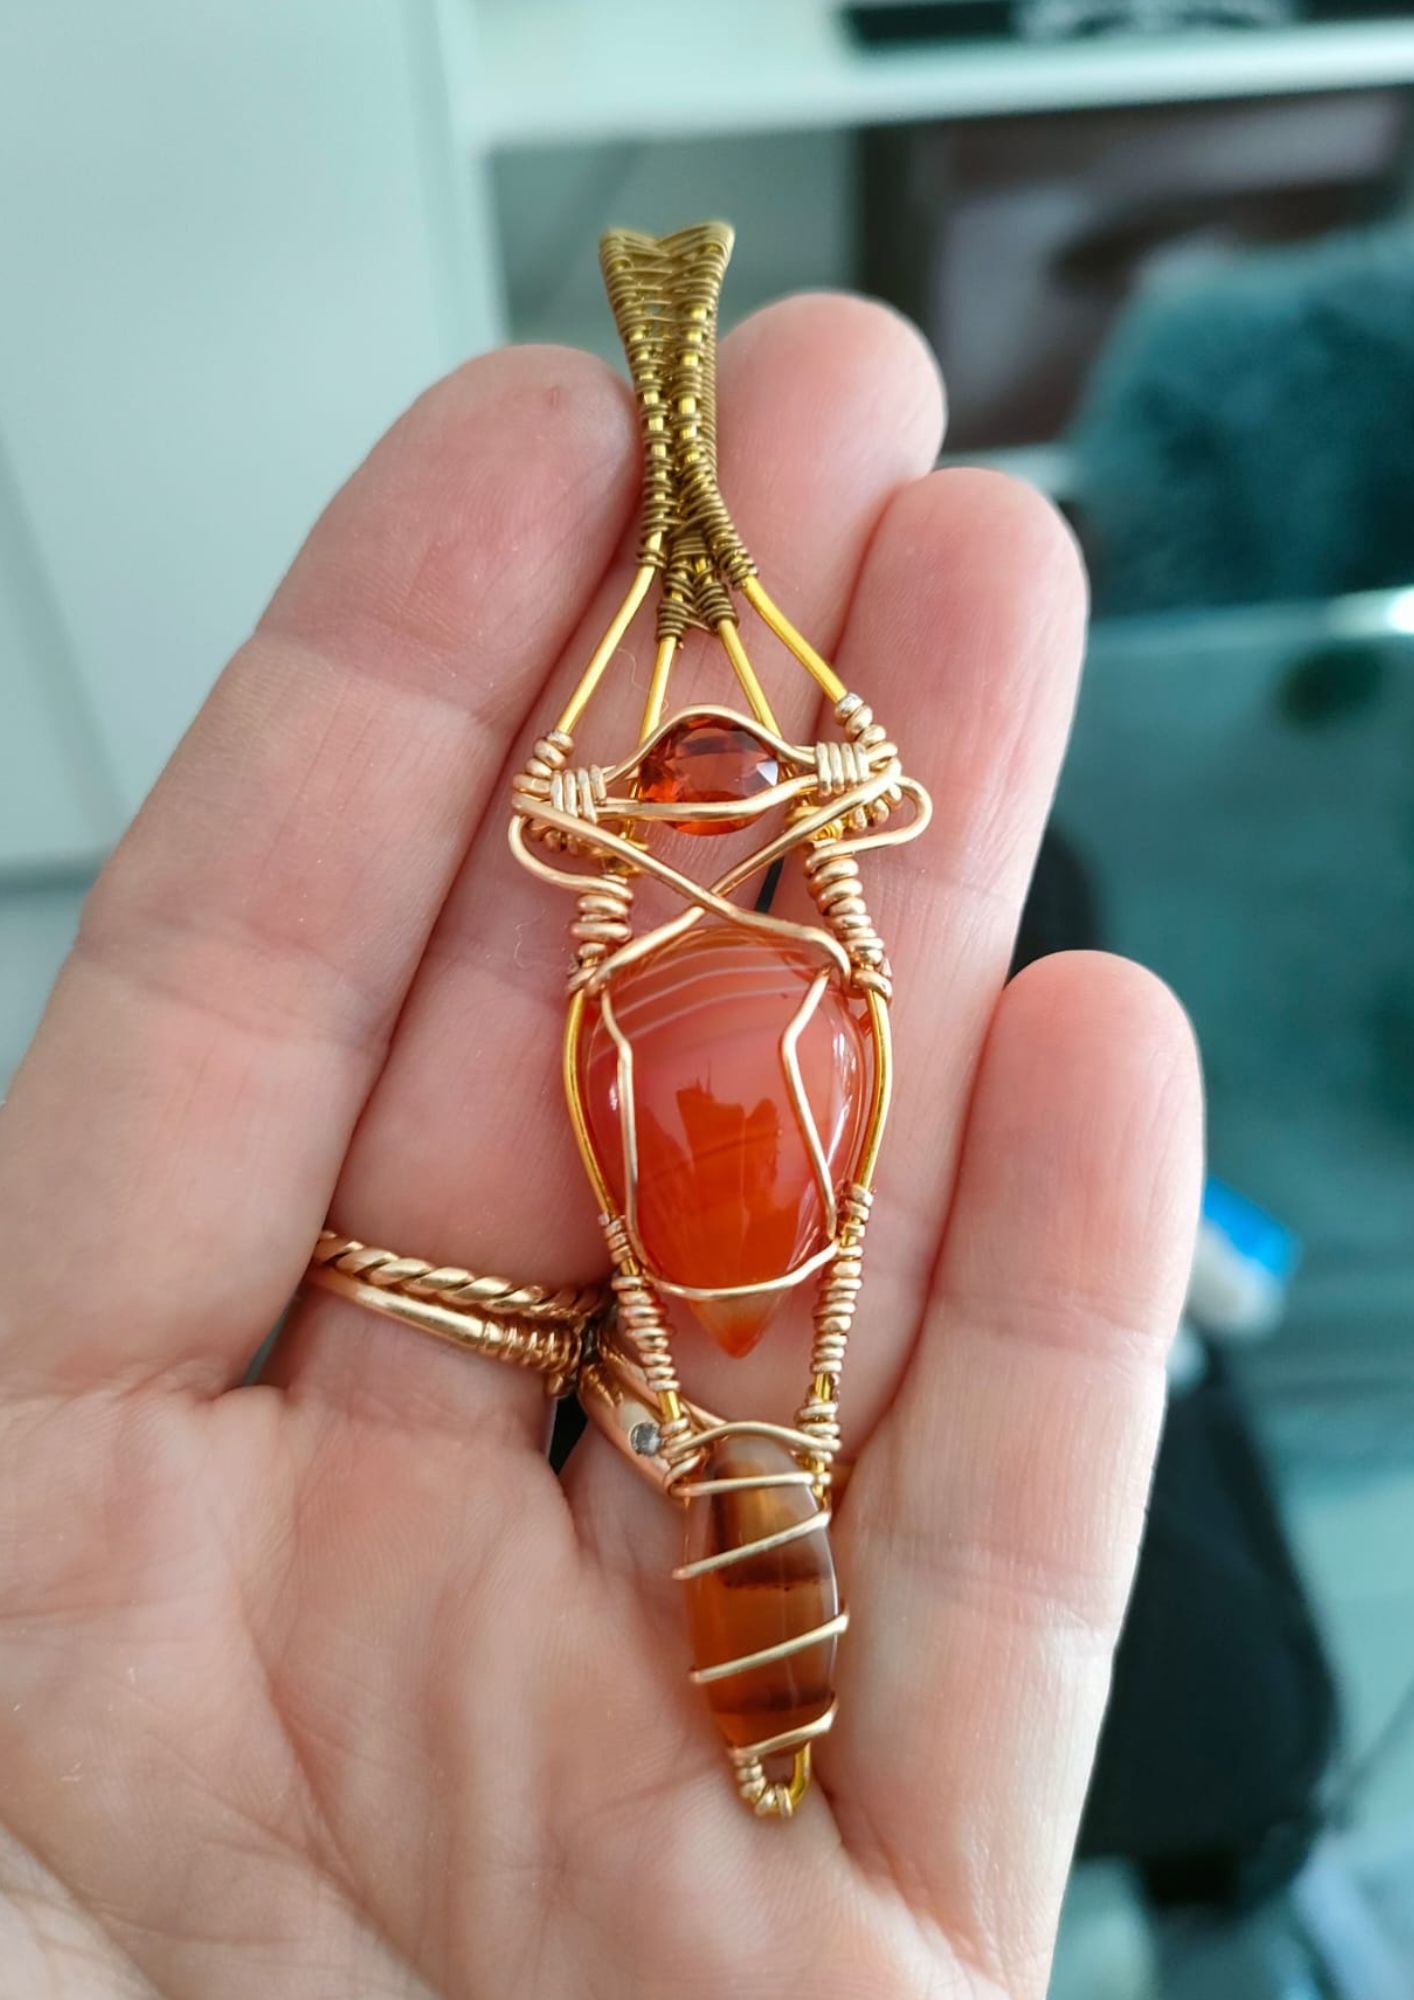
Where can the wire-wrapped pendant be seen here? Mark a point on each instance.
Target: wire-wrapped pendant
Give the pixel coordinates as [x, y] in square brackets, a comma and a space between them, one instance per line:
[727, 1071]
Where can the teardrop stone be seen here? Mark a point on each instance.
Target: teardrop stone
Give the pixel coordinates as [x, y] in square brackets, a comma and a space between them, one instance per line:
[764, 1599]
[707, 762]
[727, 1190]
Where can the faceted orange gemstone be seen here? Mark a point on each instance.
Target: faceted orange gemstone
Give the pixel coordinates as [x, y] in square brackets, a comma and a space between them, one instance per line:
[727, 1190]
[764, 1599]
[706, 763]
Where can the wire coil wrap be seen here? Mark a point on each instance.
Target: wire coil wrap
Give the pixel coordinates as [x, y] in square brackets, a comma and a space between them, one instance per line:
[526, 1325]
[641, 1319]
[835, 1307]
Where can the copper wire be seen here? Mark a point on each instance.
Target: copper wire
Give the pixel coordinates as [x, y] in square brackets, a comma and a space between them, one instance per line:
[766, 1797]
[526, 1325]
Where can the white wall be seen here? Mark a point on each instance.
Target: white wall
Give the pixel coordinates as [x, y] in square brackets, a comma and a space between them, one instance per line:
[233, 243]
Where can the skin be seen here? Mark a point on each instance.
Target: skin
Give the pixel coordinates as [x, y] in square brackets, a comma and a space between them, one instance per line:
[326, 1686]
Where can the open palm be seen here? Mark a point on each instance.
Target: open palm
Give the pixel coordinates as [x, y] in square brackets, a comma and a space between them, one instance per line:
[327, 1686]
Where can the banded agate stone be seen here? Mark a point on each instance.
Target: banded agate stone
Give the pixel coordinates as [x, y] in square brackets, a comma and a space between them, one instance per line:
[727, 1191]
[764, 1599]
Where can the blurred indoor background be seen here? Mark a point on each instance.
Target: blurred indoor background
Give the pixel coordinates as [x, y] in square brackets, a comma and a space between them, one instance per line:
[1166, 251]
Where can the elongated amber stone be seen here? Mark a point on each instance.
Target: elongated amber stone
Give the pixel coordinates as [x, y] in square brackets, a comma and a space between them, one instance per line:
[728, 1191]
[762, 1600]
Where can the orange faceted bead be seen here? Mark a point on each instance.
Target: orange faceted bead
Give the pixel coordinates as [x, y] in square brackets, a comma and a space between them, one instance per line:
[707, 763]
[763, 1600]
[728, 1193]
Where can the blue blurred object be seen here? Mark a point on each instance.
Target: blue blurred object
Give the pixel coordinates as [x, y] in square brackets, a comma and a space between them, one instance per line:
[1252, 1233]
[1242, 1267]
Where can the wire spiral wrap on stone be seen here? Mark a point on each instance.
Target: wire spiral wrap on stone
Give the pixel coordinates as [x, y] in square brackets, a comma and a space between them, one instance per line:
[834, 1316]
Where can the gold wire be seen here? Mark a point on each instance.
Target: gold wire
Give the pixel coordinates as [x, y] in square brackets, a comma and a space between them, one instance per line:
[766, 608]
[695, 893]
[784, 1649]
[803, 755]
[574, 1023]
[549, 1347]
[658, 687]
[750, 686]
[800, 1776]
[607, 647]
[882, 1030]
[670, 1408]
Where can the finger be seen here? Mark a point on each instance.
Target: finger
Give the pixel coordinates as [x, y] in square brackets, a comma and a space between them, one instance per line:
[465, 1153]
[990, 1531]
[168, 1149]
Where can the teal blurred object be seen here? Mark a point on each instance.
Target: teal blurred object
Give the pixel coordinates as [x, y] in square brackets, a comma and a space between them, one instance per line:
[1249, 434]
[1262, 861]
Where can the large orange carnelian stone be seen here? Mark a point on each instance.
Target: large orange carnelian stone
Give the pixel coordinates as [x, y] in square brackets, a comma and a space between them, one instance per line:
[763, 1600]
[727, 1193]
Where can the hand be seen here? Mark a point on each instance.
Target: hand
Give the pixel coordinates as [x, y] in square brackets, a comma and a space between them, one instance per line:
[327, 1686]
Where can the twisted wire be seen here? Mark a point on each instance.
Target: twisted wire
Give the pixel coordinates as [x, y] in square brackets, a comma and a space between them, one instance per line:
[450, 1285]
[835, 1308]
[545, 1335]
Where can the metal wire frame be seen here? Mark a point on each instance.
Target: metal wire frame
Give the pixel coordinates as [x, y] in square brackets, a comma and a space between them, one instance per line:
[836, 800]
[813, 828]
[683, 1441]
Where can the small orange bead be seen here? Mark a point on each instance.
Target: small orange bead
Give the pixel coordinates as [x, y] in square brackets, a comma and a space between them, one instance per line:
[764, 1599]
[707, 763]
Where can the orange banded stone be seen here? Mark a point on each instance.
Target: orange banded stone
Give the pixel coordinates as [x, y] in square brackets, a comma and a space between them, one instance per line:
[728, 1194]
[762, 1600]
